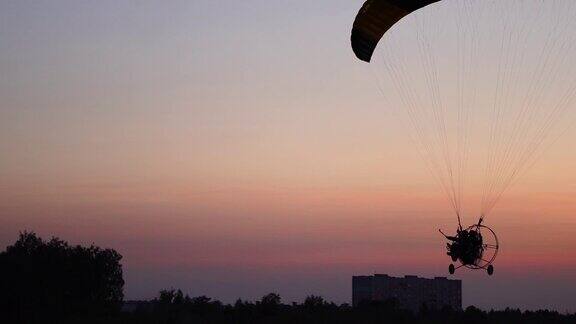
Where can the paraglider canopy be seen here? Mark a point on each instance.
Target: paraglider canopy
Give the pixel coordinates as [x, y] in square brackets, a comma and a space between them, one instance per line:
[483, 86]
[375, 18]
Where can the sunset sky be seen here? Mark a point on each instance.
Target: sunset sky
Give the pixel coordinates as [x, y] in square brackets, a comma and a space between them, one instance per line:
[235, 148]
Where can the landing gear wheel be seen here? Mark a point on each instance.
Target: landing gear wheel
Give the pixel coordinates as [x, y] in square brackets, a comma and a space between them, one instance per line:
[490, 270]
[451, 269]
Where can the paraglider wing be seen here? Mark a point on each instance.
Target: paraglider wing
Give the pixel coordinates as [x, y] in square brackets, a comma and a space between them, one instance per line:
[375, 18]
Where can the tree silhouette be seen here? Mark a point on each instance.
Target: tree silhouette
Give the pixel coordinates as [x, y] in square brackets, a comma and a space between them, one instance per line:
[54, 282]
[270, 303]
[315, 309]
[314, 302]
[51, 279]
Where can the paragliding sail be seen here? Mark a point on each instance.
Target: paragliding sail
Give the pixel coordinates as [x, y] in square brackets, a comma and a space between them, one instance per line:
[484, 86]
[375, 18]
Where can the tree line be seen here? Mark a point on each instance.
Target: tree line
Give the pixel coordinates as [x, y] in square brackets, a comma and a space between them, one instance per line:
[172, 306]
[51, 281]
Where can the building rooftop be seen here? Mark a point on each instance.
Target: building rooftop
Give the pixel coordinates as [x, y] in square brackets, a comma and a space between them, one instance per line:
[411, 292]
